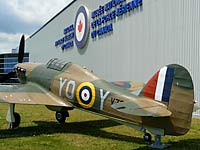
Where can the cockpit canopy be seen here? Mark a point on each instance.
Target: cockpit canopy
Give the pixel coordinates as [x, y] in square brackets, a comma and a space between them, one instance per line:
[57, 64]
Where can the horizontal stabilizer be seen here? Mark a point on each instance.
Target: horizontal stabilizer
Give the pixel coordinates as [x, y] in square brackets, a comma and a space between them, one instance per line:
[131, 86]
[150, 110]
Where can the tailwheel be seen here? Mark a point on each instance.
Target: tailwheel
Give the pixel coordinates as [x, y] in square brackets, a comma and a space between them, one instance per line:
[15, 125]
[61, 116]
[147, 137]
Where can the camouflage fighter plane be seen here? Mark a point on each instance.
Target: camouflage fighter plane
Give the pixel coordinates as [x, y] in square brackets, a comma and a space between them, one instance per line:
[163, 107]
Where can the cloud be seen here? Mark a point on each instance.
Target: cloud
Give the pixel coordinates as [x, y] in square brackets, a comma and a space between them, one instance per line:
[36, 11]
[9, 41]
[27, 16]
[24, 16]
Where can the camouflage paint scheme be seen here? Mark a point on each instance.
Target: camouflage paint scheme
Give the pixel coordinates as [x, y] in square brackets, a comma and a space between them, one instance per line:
[74, 86]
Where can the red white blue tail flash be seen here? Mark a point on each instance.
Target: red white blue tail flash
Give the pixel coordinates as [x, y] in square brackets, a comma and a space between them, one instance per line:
[159, 86]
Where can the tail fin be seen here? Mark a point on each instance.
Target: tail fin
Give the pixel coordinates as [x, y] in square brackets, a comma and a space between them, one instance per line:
[173, 86]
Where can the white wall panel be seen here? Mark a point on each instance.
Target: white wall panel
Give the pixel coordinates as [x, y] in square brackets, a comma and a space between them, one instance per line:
[161, 32]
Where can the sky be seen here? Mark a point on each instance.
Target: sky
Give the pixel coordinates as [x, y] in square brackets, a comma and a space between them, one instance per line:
[19, 17]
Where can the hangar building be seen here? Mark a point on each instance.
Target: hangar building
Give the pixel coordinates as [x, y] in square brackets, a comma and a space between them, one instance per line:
[122, 40]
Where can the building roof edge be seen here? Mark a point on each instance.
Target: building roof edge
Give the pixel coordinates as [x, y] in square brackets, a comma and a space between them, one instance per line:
[52, 18]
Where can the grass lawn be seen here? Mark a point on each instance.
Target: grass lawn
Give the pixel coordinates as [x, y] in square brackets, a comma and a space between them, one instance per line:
[39, 130]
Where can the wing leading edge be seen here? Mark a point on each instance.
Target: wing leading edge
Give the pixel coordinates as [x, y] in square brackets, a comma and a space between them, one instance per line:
[30, 93]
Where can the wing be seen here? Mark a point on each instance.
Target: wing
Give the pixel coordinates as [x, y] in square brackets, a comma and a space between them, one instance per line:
[30, 93]
[132, 86]
[143, 107]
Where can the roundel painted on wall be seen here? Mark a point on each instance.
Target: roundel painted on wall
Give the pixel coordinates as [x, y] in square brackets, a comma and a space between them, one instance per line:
[82, 27]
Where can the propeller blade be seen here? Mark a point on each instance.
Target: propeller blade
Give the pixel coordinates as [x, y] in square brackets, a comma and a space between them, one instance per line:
[21, 49]
[12, 74]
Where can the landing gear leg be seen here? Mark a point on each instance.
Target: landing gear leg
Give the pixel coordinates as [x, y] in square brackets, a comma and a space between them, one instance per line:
[61, 116]
[12, 117]
[158, 144]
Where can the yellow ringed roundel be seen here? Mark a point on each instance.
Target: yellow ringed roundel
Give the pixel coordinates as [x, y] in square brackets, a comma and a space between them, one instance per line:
[85, 94]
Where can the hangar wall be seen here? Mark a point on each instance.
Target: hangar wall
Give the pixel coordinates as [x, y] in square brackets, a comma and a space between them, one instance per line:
[159, 32]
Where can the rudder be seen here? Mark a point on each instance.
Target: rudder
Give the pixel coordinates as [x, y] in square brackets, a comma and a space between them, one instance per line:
[173, 86]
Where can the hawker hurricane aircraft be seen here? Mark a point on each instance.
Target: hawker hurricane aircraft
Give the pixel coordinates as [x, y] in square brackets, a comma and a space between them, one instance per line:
[164, 106]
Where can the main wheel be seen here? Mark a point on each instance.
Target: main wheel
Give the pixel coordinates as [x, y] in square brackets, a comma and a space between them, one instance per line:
[147, 137]
[61, 116]
[14, 125]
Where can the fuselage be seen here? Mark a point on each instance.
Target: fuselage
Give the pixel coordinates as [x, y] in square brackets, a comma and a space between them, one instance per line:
[87, 91]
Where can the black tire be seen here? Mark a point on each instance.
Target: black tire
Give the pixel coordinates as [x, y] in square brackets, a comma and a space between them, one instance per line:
[147, 137]
[15, 125]
[61, 116]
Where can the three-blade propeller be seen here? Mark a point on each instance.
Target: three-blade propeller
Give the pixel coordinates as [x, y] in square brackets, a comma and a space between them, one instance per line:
[12, 74]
